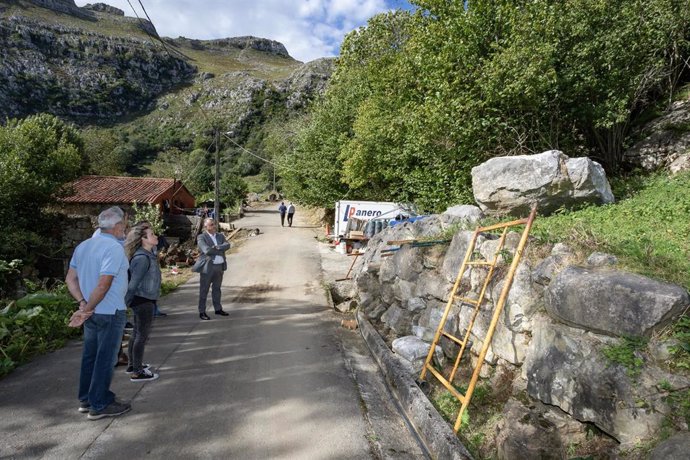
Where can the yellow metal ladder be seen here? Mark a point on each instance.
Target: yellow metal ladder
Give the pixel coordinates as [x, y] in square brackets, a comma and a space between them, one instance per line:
[469, 262]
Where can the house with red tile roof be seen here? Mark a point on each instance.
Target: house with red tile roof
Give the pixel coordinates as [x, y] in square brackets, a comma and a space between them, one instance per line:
[89, 195]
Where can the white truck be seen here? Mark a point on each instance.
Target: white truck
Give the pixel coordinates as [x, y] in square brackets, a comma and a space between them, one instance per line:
[363, 210]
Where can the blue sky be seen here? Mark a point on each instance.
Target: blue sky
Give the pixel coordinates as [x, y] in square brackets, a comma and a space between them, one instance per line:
[309, 29]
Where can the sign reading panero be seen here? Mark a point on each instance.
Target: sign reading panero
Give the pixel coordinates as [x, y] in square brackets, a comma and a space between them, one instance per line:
[364, 210]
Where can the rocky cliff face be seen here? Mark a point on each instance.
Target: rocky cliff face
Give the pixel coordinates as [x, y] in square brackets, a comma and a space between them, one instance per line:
[83, 76]
[98, 65]
[103, 8]
[235, 43]
[64, 6]
[307, 81]
[665, 141]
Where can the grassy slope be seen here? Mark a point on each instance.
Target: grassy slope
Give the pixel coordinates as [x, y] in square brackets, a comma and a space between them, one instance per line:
[649, 229]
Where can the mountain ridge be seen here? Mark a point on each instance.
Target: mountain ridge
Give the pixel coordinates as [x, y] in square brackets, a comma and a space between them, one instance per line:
[93, 64]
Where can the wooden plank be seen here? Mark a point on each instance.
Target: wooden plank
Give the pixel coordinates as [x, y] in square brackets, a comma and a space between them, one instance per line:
[234, 232]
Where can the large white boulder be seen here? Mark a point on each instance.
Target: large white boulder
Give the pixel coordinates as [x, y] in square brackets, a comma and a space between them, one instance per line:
[550, 179]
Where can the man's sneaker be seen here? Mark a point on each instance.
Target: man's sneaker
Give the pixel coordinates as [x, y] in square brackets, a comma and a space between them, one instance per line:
[84, 406]
[144, 376]
[113, 410]
[130, 369]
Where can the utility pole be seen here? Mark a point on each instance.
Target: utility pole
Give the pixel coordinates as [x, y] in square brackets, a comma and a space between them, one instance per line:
[216, 205]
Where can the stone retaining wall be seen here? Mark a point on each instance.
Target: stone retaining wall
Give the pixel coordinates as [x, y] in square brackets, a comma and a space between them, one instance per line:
[556, 322]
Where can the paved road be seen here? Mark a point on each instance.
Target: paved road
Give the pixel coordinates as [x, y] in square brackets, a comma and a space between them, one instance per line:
[272, 380]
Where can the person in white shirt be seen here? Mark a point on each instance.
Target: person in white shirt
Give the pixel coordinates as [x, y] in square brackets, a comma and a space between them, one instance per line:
[211, 265]
[291, 213]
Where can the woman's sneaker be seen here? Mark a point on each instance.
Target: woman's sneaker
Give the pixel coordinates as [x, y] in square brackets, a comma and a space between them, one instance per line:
[144, 376]
[130, 369]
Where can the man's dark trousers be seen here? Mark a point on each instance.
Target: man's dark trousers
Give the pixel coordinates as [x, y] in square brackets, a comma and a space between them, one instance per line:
[212, 279]
[282, 219]
[290, 219]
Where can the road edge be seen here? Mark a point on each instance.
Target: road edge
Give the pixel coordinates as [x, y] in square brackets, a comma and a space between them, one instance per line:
[437, 436]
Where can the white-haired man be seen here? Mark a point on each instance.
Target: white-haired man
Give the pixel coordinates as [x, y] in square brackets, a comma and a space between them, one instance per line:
[210, 266]
[97, 278]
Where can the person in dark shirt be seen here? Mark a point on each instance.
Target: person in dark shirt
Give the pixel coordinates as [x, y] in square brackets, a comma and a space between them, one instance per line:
[282, 209]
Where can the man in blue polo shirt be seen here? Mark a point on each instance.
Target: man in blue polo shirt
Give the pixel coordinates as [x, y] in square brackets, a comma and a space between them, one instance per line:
[97, 278]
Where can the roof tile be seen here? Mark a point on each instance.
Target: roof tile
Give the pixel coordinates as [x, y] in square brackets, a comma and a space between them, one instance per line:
[117, 189]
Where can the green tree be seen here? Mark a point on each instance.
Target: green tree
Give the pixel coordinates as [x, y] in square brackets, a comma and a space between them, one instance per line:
[103, 151]
[151, 214]
[233, 189]
[199, 178]
[417, 100]
[38, 155]
[195, 169]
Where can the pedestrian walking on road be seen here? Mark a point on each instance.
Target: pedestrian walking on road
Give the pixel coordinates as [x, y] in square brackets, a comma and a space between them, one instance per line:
[290, 213]
[97, 278]
[143, 291]
[210, 266]
[282, 209]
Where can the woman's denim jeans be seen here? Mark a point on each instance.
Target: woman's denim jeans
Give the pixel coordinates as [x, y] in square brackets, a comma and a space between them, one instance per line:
[102, 337]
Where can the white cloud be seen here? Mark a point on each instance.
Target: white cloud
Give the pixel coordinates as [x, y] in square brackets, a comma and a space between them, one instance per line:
[309, 29]
[357, 10]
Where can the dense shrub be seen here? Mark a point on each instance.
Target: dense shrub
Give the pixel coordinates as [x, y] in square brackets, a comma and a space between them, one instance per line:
[33, 325]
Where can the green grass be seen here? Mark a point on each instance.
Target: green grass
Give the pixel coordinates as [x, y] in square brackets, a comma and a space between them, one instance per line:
[478, 421]
[681, 352]
[678, 129]
[627, 354]
[171, 282]
[168, 286]
[260, 65]
[649, 230]
[682, 94]
[680, 400]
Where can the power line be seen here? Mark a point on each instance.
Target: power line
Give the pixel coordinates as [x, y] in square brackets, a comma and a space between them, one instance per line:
[157, 37]
[208, 150]
[154, 27]
[255, 155]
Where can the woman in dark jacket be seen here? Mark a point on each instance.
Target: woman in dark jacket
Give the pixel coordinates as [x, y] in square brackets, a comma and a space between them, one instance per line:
[142, 293]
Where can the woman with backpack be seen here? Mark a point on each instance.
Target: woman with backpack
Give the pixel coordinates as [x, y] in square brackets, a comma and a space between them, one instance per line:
[142, 293]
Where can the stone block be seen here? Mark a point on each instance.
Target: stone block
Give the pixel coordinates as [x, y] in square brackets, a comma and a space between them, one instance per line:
[613, 302]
